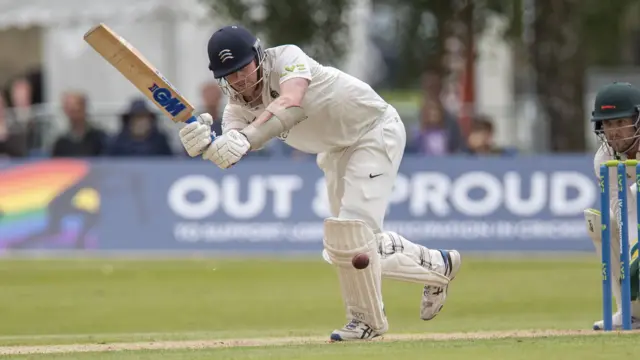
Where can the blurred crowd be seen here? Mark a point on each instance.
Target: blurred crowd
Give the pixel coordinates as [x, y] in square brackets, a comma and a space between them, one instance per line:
[437, 131]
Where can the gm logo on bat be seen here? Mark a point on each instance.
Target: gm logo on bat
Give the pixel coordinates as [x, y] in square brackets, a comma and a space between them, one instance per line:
[164, 97]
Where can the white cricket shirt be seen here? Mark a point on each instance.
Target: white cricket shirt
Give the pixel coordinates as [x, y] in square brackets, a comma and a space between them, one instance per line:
[340, 107]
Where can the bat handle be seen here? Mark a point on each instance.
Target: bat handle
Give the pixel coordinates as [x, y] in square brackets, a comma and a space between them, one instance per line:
[193, 119]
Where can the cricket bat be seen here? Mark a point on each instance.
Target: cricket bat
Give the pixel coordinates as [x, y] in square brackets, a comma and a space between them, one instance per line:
[140, 72]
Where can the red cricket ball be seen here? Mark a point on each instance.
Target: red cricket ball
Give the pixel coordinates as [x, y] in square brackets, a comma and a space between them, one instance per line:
[360, 261]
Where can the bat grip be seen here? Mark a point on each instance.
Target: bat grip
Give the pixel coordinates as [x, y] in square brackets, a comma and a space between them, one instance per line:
[193, 119]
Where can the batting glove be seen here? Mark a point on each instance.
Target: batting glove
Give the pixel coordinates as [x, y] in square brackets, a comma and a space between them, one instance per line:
[195, 137]
[228, 149]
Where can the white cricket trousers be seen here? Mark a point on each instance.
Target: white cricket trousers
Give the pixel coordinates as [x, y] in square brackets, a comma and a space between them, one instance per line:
[360, 178]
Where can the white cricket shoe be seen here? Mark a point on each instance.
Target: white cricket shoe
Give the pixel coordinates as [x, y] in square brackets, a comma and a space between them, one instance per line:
[356, 330]
[617, 322]
[433, 297]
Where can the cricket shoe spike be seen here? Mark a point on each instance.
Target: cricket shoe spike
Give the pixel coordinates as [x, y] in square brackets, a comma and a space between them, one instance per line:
[433, 297]
[356, 330]
[617, 322]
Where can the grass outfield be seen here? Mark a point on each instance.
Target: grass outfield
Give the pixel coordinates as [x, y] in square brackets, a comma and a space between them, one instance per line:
[285, 309]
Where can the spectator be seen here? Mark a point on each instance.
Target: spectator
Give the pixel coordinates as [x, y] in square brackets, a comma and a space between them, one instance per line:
[82, 140]
[13, 140]
[22, 96]
[20, 103]
[481, 138]
[438, 132]
[140, 135]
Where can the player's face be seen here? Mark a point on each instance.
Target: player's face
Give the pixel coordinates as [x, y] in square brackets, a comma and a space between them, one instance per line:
[620, 133]
[245, 80]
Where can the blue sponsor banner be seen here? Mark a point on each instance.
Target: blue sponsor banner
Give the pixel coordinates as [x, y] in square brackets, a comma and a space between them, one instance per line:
[264, 205]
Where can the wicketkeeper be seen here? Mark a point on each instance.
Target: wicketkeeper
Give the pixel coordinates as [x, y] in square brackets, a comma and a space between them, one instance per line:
[615, 117]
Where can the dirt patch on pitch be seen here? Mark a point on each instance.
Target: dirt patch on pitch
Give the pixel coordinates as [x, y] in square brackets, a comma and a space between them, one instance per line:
[283, 341]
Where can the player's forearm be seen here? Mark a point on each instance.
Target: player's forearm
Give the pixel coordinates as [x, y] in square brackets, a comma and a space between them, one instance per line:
[280, 116]
[281, 102]
[293, 91]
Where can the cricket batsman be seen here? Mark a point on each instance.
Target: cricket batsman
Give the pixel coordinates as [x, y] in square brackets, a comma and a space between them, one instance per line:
[359, 140]
[616, 117]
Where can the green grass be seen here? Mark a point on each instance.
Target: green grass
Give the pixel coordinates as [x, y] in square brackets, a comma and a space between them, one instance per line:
[109, 300]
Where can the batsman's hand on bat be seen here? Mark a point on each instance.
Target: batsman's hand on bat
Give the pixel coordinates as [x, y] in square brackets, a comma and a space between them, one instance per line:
[228, 149]
[195, 137]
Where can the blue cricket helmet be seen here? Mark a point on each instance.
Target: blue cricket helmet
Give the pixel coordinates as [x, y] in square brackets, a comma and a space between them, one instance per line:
[231, 48]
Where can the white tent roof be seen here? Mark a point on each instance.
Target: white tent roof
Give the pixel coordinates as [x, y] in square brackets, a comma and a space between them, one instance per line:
[26, 13]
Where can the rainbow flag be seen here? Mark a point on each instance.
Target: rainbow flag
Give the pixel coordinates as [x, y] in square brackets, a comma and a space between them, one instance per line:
[26, 191]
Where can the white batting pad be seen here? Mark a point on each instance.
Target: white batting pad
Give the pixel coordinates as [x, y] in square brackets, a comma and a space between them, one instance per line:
[399, 266]
[361, 289]
[594, 229]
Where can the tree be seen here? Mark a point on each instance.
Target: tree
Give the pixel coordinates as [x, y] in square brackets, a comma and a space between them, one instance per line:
[604, 28]
[317, 26]
[602, 24]
[569, 36]
[421, 29]
[559, 59]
